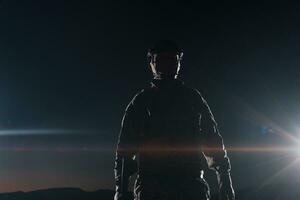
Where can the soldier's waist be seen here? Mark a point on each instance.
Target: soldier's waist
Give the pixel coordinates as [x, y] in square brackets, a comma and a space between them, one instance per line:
[171, 172]
[169, 177]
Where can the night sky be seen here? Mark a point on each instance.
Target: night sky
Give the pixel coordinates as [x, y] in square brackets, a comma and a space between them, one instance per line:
[69, 68]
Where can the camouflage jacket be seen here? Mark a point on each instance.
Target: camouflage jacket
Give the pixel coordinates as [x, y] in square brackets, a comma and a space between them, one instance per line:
[168, 129]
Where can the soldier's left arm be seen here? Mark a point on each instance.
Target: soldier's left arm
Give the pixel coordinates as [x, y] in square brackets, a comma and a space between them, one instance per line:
[214, 149]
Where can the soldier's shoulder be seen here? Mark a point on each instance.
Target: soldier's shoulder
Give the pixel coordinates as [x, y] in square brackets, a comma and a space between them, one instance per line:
[135, 101]
[140, 96]
[193, 92]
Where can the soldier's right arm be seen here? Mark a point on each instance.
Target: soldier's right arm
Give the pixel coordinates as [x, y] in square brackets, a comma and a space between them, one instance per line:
[125, 166]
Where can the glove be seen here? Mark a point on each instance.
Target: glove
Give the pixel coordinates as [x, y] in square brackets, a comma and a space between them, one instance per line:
[226, 191]
[125, 196]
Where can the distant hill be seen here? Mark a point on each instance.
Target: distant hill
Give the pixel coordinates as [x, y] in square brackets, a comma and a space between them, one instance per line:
[59, 194]
[274, 192]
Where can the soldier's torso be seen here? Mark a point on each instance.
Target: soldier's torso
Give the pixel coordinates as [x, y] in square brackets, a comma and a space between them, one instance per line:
[170, 139]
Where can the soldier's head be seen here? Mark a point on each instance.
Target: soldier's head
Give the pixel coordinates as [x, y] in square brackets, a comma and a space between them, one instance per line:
[164, 59]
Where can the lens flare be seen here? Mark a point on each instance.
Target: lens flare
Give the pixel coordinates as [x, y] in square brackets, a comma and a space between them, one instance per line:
[12, 132]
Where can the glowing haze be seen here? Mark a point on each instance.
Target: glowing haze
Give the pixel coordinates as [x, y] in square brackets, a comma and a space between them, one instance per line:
[69, 68]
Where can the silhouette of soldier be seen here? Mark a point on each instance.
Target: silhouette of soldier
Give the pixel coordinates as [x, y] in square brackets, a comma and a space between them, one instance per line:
[167, 132]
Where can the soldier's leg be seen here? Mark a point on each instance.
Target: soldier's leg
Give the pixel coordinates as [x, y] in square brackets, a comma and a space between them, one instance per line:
[153, 189]
[149, 190]
[196, 189]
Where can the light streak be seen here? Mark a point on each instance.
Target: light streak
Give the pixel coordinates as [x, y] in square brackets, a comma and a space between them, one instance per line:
[12, 132]
[250, 114]
[105, 148]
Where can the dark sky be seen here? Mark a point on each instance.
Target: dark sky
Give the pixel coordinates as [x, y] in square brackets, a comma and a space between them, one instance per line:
[69, 68]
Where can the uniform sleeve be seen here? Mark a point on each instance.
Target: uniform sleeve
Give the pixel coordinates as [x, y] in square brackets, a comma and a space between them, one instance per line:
[212, 142]
[127, 143]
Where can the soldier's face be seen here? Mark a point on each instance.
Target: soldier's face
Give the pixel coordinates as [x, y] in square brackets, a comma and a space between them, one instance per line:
[165, 63]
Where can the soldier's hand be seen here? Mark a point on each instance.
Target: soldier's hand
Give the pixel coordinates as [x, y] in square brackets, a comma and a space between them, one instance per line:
[125, 196]
[225, 187]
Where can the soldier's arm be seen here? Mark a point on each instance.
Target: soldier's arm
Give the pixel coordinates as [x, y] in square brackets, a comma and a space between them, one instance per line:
[212, 142]
[125, 166]
[214, 150]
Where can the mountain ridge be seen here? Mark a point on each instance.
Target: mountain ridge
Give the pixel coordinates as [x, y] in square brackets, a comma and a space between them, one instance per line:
[273, 191]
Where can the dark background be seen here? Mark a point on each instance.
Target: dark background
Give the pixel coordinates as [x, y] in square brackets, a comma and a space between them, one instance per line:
[69, 68]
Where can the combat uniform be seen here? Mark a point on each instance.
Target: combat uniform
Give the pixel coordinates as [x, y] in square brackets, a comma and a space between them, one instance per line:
[167, 132]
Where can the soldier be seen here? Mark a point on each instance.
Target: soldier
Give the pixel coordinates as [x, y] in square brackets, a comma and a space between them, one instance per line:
[166, 133]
